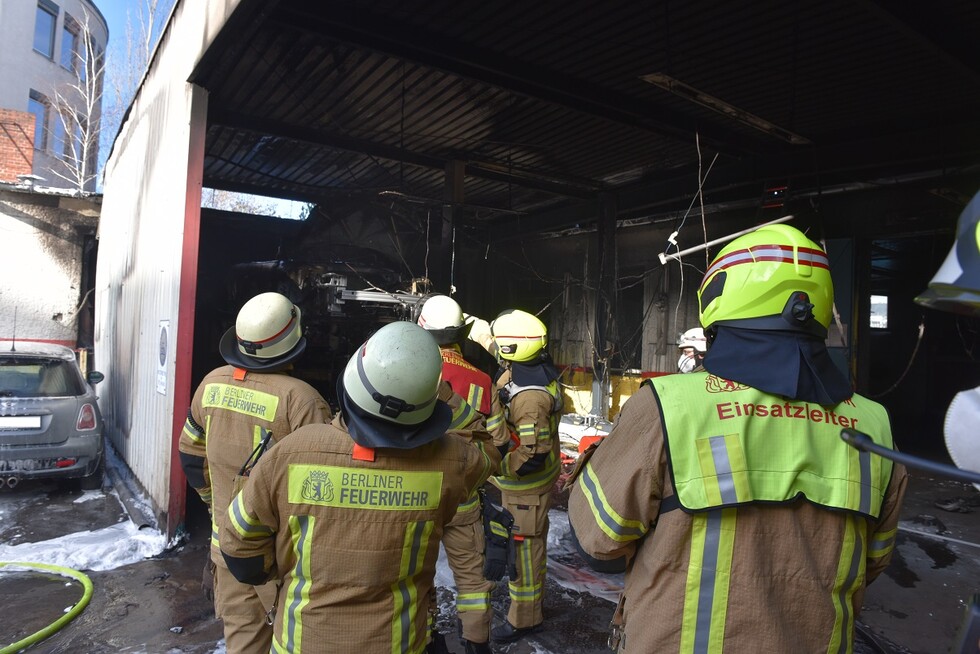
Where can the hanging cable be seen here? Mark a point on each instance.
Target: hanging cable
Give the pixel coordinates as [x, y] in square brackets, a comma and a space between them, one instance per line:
[428, 222]
[833, 307]
[918, 342]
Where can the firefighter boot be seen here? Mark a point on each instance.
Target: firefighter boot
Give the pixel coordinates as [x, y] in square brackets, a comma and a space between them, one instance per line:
[476, 648]
[508, 633]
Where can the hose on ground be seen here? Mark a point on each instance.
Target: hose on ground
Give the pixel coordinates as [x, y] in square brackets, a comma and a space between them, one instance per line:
[57, 625]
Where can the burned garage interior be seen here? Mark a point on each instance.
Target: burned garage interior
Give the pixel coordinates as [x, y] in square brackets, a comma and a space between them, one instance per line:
[584, 162]
[545, 157]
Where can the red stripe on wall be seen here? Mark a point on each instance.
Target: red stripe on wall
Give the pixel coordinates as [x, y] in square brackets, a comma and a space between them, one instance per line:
[184, 348]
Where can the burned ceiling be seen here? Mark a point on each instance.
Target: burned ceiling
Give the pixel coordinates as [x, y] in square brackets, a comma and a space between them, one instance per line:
[536, 113]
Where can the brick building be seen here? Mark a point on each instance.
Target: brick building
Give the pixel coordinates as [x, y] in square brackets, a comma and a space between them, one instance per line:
[48, 50]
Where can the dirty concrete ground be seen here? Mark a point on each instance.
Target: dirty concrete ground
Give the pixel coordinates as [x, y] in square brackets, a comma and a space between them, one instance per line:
[156, 606]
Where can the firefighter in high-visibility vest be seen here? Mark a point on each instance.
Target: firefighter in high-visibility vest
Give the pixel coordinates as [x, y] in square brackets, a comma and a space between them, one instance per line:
[530, 400]
[250, 403]
[347, 517]
[463, 538]
[749, 525]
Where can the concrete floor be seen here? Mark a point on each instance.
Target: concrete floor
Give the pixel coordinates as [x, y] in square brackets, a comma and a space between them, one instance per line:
[157, 606]
[921, 599]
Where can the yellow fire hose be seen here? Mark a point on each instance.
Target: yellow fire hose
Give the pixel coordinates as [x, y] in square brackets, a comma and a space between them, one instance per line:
[55, 626]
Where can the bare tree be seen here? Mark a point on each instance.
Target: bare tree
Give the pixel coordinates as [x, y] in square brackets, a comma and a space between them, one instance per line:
[239, 202]
[77, 106]
[128, 59]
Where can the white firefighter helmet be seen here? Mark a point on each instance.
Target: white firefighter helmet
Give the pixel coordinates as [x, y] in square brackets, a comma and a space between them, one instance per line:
[267, 334]
[693, 337]
[389, 389]
[956, 288]
[519, 335]
[956, 285]
[442, 317]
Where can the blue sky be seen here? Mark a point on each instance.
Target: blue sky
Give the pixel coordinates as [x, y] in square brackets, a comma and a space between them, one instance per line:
[115, 13]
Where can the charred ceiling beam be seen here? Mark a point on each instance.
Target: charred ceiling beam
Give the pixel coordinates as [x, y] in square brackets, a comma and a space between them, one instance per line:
[575, 188]
[366, 29]
[897, 159]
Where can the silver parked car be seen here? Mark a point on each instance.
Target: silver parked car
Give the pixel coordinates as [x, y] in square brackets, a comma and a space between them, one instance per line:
[50, 424]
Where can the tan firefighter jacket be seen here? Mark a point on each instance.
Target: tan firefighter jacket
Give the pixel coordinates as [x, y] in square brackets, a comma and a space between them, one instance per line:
[228, 418]
[531, 416]
[471, 425]
[798, 572]
[351, 534]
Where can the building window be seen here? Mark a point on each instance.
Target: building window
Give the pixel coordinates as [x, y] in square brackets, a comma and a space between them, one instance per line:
[879, 311]
[69, 44]
[38, 105]
[60, 145]
[44, 24]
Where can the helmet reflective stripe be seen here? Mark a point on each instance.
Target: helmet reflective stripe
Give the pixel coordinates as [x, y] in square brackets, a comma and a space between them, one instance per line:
[519, 335]
[268, 326]
[391, 406]
[525, 339]
[251, 347]
[774, 278]
[776, 253]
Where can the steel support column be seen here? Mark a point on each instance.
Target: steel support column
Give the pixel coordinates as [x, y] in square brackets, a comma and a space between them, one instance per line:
[605, 303]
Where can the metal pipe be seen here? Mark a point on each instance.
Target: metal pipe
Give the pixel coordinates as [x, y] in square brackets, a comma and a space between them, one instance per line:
[12, 482]
[731, 237]
[128, 498]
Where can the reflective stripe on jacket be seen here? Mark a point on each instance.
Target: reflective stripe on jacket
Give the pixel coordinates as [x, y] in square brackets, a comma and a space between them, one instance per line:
[231, 412]
[760, 577]
[353, 541]
[532, 413]
[729, 445]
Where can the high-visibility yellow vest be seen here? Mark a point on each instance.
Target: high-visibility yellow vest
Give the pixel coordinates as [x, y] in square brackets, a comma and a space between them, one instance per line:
[730, 445]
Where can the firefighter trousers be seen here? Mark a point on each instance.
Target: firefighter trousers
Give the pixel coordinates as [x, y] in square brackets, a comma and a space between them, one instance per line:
[242, 608]
[464, 550]
[530, 511]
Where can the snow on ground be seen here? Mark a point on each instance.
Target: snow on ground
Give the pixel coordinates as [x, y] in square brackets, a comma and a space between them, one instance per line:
[102, 549]
[561, 551]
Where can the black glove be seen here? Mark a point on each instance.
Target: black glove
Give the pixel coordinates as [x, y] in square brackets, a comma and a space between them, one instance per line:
[498, 525]
[437, 644]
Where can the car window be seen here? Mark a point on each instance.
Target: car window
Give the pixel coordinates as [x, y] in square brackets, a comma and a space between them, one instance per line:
[38, 377]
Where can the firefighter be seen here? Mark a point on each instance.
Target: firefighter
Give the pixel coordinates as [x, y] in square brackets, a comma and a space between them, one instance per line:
[692, 346]
[463, 539]
[749, 525]
[530, 400]
[249, 403]
[347, 517]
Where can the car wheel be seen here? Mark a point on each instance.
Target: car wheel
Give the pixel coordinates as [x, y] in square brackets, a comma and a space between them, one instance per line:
[94, 480]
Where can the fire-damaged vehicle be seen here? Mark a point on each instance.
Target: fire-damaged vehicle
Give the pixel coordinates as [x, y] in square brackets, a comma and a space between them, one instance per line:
[346, 293]
[50, 424]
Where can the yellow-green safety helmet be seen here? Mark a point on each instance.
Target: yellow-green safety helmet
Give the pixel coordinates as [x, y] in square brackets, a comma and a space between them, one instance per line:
[774, 278]
[519, 335]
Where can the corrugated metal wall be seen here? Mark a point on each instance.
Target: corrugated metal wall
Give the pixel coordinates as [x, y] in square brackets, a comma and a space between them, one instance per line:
[140, 250]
